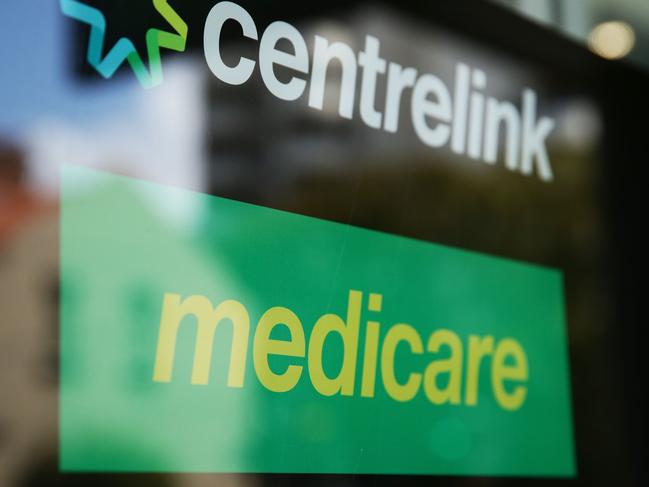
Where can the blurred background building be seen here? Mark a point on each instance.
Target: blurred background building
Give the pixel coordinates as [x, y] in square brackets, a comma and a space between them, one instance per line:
[588, 59]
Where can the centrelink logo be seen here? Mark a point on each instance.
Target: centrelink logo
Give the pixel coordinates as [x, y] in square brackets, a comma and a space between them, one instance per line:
[460, 116]
[124, 50]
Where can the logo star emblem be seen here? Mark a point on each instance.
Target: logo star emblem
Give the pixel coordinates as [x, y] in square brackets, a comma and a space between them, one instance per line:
[124, 50]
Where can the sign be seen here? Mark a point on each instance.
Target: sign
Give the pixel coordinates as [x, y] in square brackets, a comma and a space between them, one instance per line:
[236, 338]
[465, 119]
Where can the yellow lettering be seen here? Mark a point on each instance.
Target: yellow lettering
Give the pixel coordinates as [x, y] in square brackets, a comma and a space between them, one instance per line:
[208, 318]
[442, 379]
[369, 359]
[479, 347]
[451, 366]
[264, 346]
[330, 323]
[501, 372]
[400, 333]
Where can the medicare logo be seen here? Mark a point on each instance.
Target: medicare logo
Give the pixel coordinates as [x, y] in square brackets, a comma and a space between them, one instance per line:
[348, 351]
[124, 50]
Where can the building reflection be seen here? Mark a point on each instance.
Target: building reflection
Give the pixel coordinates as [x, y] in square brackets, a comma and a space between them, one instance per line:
[242, 143]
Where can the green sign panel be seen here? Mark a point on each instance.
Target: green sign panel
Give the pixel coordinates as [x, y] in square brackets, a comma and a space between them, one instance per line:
[200, 334]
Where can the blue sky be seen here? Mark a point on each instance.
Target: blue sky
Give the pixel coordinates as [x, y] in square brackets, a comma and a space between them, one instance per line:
[36, 81]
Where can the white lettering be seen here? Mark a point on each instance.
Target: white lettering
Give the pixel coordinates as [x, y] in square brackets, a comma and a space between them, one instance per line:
[469, 121]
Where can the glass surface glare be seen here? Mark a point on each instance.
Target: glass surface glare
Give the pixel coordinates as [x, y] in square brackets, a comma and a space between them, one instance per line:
[411, 168]
[444, 388]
